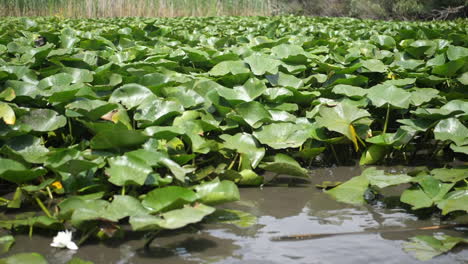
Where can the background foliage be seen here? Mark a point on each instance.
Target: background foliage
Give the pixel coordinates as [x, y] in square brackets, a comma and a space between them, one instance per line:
[377, 9]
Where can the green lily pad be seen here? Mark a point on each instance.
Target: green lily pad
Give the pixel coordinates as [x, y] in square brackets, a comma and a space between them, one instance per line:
[454, 201]
[35, 258]
[125, 170]
[246, 145]
[168, 198]
[216, 192]
[451, 129]
[283, 135]
[427, 193]
[427, 247]
[352, 191]
[5, 243]
[173, 219]
[43, 120]
[286, 165]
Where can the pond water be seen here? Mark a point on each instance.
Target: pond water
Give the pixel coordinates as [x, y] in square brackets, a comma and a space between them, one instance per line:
[295, 208]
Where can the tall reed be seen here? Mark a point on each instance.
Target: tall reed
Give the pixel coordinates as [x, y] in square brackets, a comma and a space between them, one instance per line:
[148, 8]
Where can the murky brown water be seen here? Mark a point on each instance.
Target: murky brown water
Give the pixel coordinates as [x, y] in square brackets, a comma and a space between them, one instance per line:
[297, 209]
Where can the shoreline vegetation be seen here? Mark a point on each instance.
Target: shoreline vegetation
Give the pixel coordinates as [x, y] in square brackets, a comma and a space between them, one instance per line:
[365, 9]
[139, 8]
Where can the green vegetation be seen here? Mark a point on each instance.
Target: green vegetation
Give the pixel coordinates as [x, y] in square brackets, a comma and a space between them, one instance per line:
[152, 122]
[377, 9]
[123, 8]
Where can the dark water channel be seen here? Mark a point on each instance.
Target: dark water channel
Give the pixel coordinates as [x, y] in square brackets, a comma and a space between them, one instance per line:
[299, 208]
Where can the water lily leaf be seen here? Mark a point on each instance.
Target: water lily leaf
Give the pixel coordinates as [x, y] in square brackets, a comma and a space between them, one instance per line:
[286, 165]
[283, 135]
[155, 111]
[373, 154]
[7, 114]
[117, 136]
[92, 109]
[16, 172]
[24, 258]
[420, 96]
[421, 125]
[229, 67]
[60, 79]
[349, 90]
[389, 94]
[454, 201]
[380, 179]
[285, 80]
[253, 113]
[277, 94]
[456, 52]
[125, 170]
[459, 149]
[247, 92]
[130, 95]
[428, 192]
[401, 137]
[244, 178]
[5, 243]
[123, 206]
[290, 53]
[76, 260]
[352, 191]
[450, 175]
[340, 118]
[463, 79]
[168, 198]
[30, 148]
[261, 64]
[384, 41]
[173, 219]
[374, 65]
[217, 192]
[43, 120]
[451, 129]
[228, 216]
[245, 144]
[427, 247]
[79, 75]
[449, 69]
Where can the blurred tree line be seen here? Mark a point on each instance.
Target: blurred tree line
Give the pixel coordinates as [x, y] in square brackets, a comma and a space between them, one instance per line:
[379, 9]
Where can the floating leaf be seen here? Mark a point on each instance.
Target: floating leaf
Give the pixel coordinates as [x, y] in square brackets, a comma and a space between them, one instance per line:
[43, 120]
[426, 247]
[168, 198]
[352, 191]
[173, 219]
[284, 164]
[283, 135]
[246, 145]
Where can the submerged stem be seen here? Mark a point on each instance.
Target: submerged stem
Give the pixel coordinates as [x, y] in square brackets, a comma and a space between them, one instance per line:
[150, 240]
[316, 236]
[335, 155]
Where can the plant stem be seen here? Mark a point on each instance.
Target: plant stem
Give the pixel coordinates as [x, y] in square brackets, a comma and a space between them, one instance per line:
[335, 155]
[87, 235]
[150, 240]
[233, 161]
[386, 119]
[44, 209]
[51, 196]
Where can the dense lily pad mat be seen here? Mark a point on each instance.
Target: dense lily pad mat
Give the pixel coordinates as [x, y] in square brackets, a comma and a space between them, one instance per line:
[152, 121]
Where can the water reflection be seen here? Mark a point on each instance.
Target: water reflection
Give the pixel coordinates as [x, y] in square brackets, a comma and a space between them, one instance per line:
[280, 210]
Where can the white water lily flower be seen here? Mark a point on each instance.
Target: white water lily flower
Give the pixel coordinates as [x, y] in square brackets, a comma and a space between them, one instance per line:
[64, 239]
